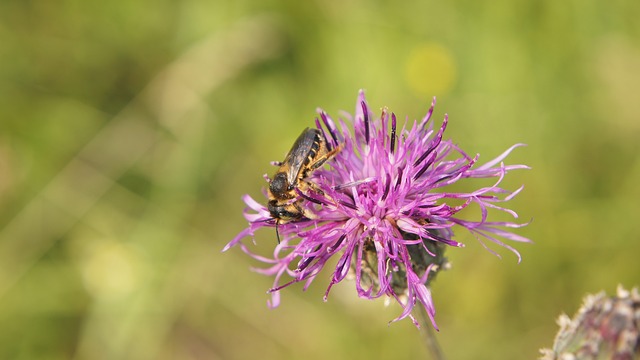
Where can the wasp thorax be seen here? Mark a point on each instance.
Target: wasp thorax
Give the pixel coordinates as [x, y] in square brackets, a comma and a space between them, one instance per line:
[279, 185]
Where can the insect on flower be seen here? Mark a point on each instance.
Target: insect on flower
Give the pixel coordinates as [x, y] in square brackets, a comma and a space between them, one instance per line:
[383, 212]
[309, 152]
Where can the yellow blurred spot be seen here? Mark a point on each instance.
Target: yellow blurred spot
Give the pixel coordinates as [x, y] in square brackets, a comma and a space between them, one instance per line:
[430, 70]
[111, 270]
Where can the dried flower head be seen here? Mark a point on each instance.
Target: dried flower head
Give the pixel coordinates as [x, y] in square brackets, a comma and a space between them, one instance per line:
[604, 328]
[383, 208]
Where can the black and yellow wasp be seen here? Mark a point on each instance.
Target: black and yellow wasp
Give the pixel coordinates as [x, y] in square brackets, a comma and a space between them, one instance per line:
[307, 154]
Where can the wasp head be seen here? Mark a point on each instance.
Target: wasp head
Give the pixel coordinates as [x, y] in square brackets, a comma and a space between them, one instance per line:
[284, 212]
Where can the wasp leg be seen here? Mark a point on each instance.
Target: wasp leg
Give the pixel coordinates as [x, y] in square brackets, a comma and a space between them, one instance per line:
[302, 211]
[307, 213]
[314, 187]
[321, 160]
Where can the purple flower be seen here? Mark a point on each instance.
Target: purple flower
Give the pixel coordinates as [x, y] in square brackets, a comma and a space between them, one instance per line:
[382, 207]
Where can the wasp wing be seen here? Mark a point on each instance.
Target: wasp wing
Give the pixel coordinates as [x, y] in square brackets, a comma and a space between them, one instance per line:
[302, 150]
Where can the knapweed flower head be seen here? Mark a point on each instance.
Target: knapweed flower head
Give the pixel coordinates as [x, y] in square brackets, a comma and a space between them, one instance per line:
[382, 208]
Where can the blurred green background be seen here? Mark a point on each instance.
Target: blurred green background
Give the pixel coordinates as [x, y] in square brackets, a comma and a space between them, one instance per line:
[129, 131]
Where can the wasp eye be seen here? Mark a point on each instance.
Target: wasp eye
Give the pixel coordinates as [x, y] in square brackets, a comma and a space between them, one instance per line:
[279, 183]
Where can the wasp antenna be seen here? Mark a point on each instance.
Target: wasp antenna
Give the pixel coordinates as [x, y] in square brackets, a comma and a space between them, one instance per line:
[277, 233]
